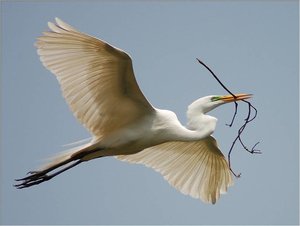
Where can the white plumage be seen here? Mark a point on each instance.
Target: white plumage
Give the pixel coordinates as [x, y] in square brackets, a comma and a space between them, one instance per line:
[195, 168]
[98, 83]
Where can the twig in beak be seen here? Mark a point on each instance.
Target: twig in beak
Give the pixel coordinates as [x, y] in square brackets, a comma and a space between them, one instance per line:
[241, 129]
[235, 103]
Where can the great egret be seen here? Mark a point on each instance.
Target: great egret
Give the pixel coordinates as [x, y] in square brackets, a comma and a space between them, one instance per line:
[98, 83]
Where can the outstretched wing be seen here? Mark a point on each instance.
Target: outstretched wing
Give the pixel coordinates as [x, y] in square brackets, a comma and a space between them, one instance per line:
[96, 79]
[196, 168]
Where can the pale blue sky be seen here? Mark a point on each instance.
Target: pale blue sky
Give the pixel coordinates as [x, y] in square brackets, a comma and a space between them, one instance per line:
[252, 45]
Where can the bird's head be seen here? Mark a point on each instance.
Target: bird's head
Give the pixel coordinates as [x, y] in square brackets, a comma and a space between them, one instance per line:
[196, 114]
[208, 103]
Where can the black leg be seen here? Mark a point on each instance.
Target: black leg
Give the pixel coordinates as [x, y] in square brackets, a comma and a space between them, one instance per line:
[38, 177]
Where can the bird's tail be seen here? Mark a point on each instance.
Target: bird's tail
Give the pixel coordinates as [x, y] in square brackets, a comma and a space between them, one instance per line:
[59, 164]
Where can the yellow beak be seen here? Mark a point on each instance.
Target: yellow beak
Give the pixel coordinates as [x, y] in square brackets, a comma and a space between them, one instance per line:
[230, 98]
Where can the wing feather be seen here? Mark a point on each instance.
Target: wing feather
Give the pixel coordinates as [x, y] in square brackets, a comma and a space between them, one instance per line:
[196, 168]
[96, 79]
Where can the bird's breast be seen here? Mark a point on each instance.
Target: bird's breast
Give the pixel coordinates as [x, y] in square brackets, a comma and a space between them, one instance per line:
[142, 134]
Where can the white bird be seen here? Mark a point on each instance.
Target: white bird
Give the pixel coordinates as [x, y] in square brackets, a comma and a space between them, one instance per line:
[98, 83]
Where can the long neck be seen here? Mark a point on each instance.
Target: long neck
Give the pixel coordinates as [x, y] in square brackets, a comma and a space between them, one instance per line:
[199, 126]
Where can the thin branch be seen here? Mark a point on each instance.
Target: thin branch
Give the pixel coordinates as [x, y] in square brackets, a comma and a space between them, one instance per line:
[235, 112]
[248, 119]
[216, 77]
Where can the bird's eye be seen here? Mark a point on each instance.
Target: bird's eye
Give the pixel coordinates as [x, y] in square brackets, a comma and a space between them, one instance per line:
[215, 98]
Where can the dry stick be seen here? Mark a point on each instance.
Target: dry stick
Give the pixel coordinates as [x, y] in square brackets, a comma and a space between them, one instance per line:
[252, 151]
[238, 137]
[235, 103]
[240, 131]
[235, 112]
[216, 77]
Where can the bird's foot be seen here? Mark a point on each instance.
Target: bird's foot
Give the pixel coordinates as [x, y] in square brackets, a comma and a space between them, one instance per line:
[35, 177]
